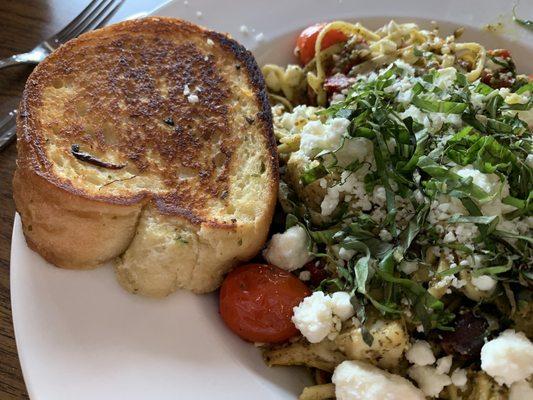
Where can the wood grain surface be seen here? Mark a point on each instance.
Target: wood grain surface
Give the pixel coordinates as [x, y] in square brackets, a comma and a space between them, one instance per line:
[23, 24]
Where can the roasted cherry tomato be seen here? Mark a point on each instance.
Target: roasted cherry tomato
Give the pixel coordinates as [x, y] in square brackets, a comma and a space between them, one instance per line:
[503, 53]
[256, 302]
[305, 44]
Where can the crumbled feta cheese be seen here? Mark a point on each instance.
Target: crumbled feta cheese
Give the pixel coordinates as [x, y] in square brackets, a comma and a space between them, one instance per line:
[458, 283]
[404, 88]
[346, 254]
[294, 121]
[313, 317]
[477, 100]
[407, 68]
[316, 136]
[360, 149]
[419, 196]
[444, 364]
[341, 305]
[337, 98]
[330, 202]
[445, 78]
[429, 380]
[492, 184]
[193, 98]
[244, 29]
[304, 276]
[459, 377]
[319, 316]
[186, 90]
[529, 160]
[362, 381]
[349, 184]
[488, 182]
[484, 282]
[449, 237]
[210, 42]
[288, 250]
[379, 196]
[260, 37]
[420, 353]
[508, 357]
[521, 391]
[417, 115]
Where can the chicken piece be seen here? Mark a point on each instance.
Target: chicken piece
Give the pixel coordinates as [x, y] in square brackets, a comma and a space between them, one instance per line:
[318, 392]
[324, 355]
[390, 342]
[482, 387]
[311, 194]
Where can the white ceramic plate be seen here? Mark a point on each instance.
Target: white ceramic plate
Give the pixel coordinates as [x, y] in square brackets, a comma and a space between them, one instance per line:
[80, 336]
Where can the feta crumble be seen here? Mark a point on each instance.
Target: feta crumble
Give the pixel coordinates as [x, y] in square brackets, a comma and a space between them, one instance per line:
[316, 136]
[444, 364]
[429, 380]
[420, 353]
[320, 315]
[362, 381]
[341, 305]
[484, 282]
[289, 250]
[459, 377]
[508, 357]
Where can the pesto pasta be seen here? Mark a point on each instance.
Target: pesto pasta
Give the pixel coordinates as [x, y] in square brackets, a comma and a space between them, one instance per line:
[407, 169]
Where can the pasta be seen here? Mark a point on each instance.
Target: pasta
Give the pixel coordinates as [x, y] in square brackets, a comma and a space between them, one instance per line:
[406, 158]
[387, 43]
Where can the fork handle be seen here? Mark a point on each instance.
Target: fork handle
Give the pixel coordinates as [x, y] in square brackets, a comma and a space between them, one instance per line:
[8, 129]
[17, 59]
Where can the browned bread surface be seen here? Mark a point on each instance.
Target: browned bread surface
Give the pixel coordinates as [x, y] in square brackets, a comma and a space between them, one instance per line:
[150, 140]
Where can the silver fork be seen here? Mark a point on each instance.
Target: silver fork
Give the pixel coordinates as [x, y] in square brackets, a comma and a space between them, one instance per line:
[95, 15]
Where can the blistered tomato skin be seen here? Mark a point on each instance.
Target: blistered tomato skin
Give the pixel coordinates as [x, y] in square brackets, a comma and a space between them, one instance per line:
[256, 302]
[305, 44]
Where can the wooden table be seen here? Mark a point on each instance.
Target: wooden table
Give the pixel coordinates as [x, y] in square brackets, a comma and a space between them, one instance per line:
[24, 23]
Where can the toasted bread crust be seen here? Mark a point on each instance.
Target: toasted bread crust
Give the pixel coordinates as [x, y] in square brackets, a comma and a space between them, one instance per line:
[130, 104]
[65, 228]
[30, 143]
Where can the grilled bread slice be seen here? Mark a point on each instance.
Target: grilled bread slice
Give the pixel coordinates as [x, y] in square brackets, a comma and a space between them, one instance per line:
[149, 142]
